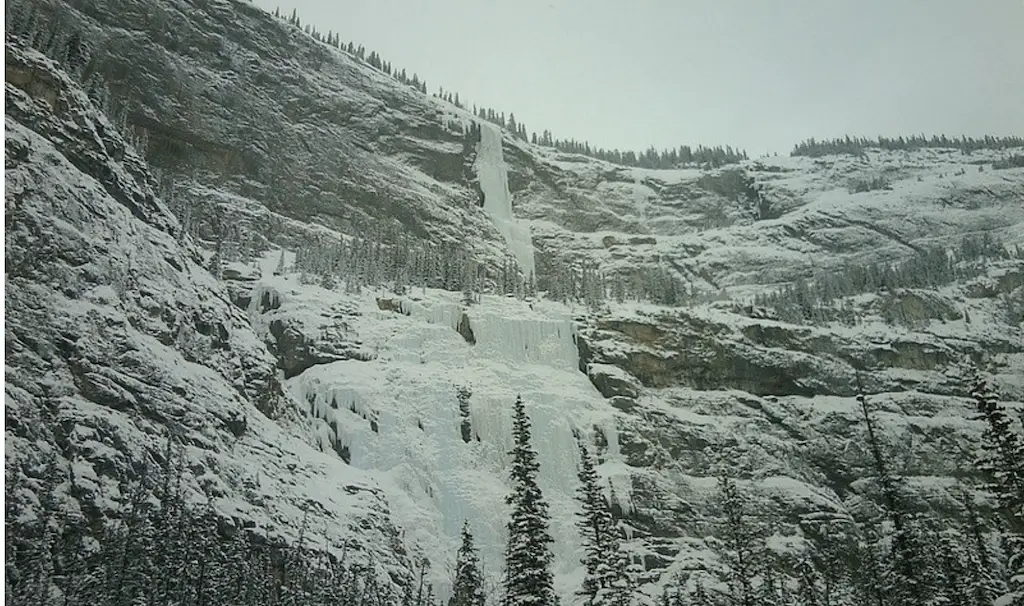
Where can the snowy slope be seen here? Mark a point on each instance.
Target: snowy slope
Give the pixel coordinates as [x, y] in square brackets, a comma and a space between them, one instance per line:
[807, 220]
[391, 408]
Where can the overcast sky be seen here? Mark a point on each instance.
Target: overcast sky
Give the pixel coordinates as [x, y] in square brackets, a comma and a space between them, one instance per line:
[758, 74]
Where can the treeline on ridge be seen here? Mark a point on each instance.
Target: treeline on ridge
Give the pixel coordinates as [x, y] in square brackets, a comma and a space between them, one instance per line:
[857, 146]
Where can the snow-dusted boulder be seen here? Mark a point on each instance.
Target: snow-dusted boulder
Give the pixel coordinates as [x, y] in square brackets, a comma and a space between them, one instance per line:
[612, 381]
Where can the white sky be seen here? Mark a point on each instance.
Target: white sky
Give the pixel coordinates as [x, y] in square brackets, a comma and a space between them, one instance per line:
[758, 74]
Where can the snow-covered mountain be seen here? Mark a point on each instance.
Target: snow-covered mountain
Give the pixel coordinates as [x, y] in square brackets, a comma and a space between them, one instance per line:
[295, 401]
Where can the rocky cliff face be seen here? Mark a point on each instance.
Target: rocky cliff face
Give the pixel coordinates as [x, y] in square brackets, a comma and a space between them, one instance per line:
[117, 339]
[235, 107]
[293, 398]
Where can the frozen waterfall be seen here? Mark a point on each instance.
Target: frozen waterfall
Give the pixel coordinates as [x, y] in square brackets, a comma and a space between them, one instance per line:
[493, 175]
[398, 415]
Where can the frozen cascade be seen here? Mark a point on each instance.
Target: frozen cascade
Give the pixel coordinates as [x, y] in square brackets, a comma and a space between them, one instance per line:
[398, 416]
[493, 175]
[548, 339]
[444, 313]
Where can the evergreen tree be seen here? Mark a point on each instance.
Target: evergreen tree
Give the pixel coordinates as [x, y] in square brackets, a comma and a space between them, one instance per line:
[772, 590]
[54, 559]
[700, 595]
[858, 146]
[216, 263]
[952, 560]
[468, 587]
[808, 591]
[985, 581]
[1002, 463]
[867, 567]
[606, 581]
[12, 509]
[910, 576]
[34, 554]
[418, 592]
[528, 577]
[132, 568]
[741, 543]
[829, 567]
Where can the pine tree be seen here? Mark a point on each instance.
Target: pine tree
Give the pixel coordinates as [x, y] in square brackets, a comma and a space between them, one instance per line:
[71, 570]
[911, 578]
[192, 564]
[418, 592]
[12, 507]
[985, 581]
[952, 561]
[1003, 452]
[867, 569]
[700, 595]
[771, 592]
[808, 591]
[468, 587]
[835, 545]
[216, 263]
[1002, 463]
[741, 543]
[606, 581]
[35, 554]
[528, 558]
[327, 280]
[131, 568]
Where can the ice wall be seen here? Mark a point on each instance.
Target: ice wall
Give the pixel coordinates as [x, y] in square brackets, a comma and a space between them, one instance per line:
[530, 338]
[493, 175]
[508, 330]
[398, 415]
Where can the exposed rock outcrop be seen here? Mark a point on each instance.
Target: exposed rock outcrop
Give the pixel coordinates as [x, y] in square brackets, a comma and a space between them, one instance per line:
[118, 340]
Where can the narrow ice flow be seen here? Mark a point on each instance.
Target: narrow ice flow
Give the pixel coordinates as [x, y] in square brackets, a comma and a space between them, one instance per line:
[493, 175]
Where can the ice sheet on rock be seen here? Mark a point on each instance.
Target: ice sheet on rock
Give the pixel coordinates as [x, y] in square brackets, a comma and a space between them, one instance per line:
[506, 329]
[526, 338]
[399, 418]
[445, 312]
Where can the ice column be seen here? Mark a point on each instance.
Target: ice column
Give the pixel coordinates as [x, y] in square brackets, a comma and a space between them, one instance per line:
[493, 175]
